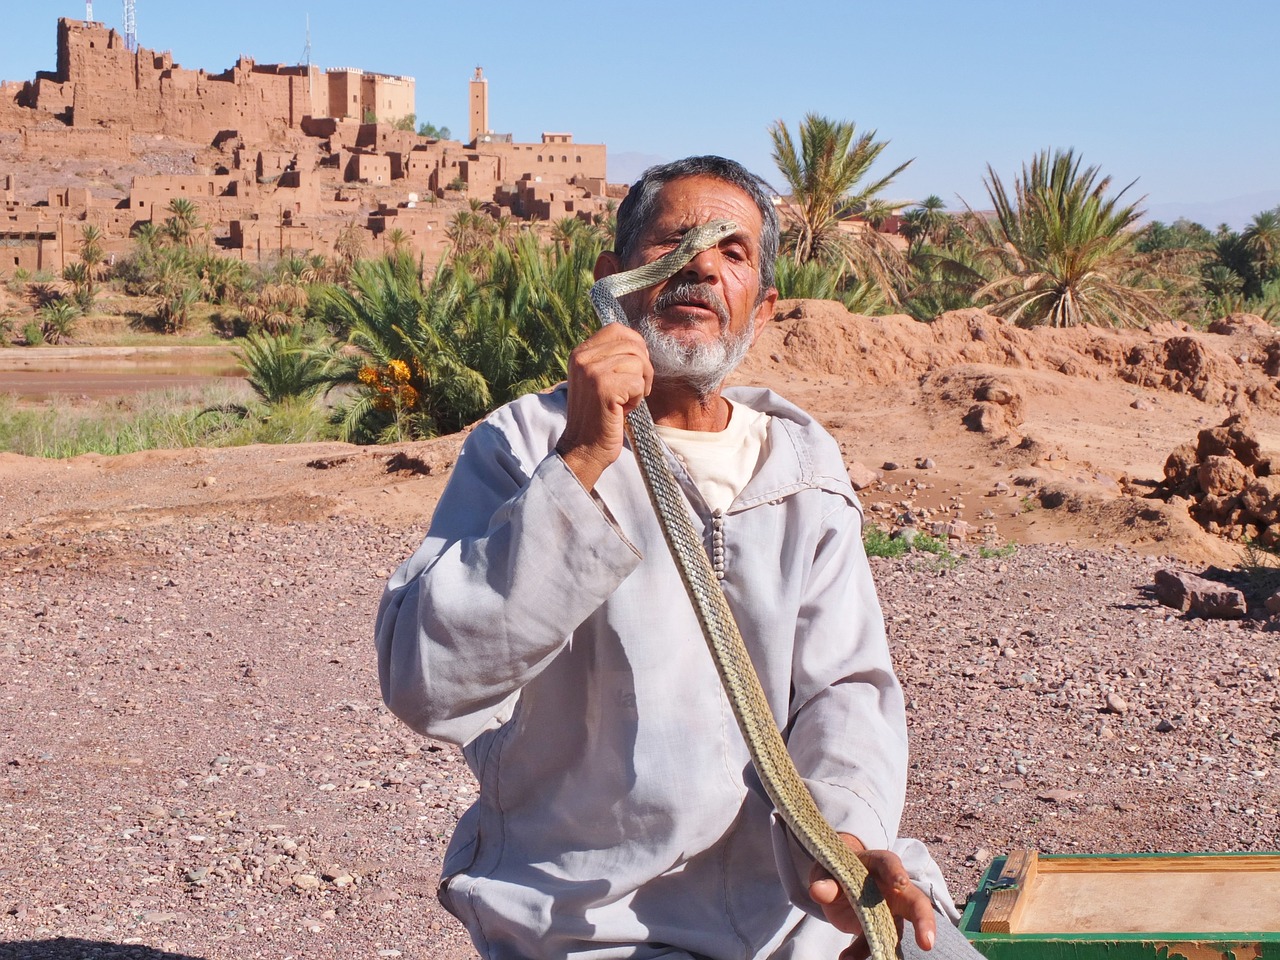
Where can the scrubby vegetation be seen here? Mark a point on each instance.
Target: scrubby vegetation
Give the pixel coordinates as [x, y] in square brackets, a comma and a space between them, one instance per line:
[380, 349]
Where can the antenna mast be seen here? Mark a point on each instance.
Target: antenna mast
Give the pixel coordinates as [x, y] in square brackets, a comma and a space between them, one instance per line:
[130, 27]
[306, 51]
[88, 10]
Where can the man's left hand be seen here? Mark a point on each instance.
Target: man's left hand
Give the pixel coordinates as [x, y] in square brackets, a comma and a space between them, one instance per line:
[906, 901]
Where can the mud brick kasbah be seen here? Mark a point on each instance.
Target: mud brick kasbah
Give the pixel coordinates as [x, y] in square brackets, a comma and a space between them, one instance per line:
[279, 158]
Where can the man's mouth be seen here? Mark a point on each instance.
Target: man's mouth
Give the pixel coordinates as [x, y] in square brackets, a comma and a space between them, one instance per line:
[689, 303]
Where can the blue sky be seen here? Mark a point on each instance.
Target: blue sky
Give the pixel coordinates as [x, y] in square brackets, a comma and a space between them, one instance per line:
[1181, 96]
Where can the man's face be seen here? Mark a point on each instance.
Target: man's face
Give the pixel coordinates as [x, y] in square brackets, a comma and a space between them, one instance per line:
[707, 315]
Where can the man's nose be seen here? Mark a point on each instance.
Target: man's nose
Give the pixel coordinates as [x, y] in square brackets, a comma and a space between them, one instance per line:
[703, 268]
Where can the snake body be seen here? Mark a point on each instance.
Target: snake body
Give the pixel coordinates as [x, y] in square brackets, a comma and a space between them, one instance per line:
[777, 772]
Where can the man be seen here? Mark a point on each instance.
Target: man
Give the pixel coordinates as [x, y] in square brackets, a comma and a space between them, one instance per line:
[543, 626]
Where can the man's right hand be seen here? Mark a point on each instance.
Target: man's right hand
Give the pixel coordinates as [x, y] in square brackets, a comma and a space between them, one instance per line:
[609, 374]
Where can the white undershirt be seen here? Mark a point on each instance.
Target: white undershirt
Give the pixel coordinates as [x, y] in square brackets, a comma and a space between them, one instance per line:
[721, 463]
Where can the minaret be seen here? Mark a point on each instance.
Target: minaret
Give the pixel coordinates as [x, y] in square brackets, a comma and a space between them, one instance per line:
[479, 106]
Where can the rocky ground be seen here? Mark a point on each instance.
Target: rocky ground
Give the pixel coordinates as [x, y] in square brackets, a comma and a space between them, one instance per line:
[195, 762]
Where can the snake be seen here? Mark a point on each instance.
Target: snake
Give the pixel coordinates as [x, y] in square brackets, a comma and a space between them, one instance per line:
[790, 796]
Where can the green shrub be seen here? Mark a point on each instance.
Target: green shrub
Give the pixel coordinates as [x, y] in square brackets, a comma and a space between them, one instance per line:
[280, 367]
[878, 543]
[998, 553]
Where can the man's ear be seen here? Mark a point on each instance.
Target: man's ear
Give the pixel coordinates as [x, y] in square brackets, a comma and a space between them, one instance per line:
[764, 313]
[607, 264]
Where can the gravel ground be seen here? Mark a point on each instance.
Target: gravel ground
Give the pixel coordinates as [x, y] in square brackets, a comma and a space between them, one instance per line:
[195, 762]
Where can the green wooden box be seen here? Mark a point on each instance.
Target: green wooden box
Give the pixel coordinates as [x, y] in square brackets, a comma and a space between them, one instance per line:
[1143, 906]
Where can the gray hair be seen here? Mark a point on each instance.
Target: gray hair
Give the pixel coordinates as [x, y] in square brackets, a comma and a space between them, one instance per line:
[636, 209]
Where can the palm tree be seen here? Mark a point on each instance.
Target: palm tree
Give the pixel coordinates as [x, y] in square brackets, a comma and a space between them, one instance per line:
[532, 311]
[280, 367]
[934, 218]
[403, 358]
[470, 232]
[398, 241]
[58, 321]
[147, 238]
[349, 245]
[826, 174]
[176, 288]
[1262, 239]
[818, 281]
[92, 256]
[77, 275]
[183, 221]
[1060, 251]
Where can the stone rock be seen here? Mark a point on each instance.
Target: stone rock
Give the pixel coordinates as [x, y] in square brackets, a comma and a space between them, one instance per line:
[1222, 476]
[951, 529]
[925, 463]
[1116, 704]
[1260, 500]
[1181, 466]
[1140, 404]
[1272, 603]
[1059, 795]
[987, 418]
[1232, 438]
[862, 476]
[1199, 597]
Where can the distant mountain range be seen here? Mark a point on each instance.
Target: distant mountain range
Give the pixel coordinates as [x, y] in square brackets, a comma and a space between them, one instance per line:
[1236, 212]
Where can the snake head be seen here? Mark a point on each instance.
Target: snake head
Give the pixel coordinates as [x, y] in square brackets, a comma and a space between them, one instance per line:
[704, 237]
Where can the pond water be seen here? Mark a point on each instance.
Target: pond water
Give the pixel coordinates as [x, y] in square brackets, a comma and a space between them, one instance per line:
[41, 373]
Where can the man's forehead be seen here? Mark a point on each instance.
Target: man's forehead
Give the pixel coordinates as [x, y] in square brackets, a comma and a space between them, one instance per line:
[688, 201]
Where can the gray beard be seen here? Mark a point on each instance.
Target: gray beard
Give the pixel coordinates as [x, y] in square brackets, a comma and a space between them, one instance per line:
[701, 366]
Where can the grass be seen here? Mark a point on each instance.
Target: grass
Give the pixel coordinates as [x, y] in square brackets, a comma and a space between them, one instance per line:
[878, 543]
[215, 416]
[998, 553]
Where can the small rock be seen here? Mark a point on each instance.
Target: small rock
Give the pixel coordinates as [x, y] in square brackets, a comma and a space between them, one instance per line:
[890, 465]
[925, 463]
[1164, 726]
[1116, 704]
[862, 476]
[1059, 795]
[306, 881]
[208, 482]
[1140, 404]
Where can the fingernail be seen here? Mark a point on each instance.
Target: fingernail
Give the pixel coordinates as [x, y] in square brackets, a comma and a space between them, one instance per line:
[928, 939]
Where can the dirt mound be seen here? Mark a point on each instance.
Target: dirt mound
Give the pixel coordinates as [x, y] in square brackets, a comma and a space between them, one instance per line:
[1042, 434]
